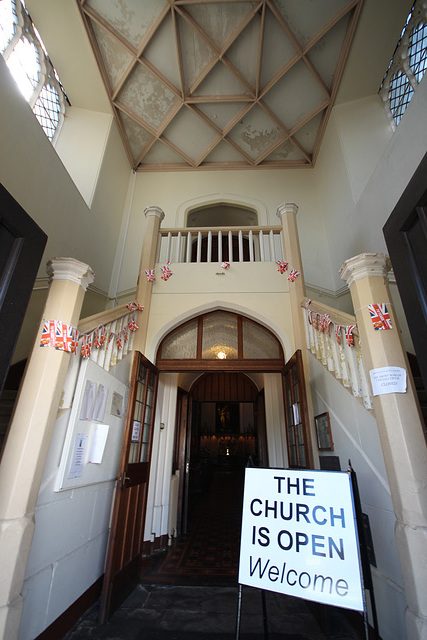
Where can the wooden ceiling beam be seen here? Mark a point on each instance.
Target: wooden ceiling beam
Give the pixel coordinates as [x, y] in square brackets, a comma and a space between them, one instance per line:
[178, 53]
[260, 50]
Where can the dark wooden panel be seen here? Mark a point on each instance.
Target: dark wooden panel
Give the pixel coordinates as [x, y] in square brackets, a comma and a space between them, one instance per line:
[226, 387]
[405, 233]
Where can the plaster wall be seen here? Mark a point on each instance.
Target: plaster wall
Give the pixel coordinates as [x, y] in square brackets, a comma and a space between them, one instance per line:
[355, 437]
[81, 145]
[174, 192]
[363, 170]
[33, 173]
[256, 290]
[71, 532]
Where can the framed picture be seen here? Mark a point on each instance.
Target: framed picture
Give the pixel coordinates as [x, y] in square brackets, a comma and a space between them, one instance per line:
[323, 430]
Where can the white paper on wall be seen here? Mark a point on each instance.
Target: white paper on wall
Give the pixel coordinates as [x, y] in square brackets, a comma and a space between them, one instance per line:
[100, 403]
[88, 401]
[77, 462]
[388, 380]
[99, 440]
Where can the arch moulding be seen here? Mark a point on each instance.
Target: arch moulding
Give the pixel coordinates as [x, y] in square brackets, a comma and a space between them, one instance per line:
[236, 200]
[218, 305]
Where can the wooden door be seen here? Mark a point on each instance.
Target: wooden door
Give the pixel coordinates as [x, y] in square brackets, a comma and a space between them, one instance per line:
[127, 527]
[296, 414]
[180, 462]
[22, 244]
[405, 233]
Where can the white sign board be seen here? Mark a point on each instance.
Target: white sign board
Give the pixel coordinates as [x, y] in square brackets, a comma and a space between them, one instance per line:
[388, 380]
[299, 536]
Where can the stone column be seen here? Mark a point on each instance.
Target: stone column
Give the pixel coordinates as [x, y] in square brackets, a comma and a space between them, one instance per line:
[153, 216]
[27, 445]
[400, 430]
[291, 250]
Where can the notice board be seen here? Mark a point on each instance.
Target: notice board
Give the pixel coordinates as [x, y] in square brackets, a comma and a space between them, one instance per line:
[299, 536]
[94, 434]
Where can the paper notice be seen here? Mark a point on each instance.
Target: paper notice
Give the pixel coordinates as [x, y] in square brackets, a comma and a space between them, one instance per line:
[99, 440]
[388, 380]
[77, 462]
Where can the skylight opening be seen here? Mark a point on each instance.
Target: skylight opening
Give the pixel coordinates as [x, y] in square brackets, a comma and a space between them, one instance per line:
[30, 66]
[407, 66]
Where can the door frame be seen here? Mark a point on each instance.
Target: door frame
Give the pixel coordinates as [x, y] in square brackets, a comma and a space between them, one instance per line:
[410, 282]
[125, 546]
[20, 262]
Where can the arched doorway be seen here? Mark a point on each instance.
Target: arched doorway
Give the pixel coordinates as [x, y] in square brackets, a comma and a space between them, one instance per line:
[220, 425]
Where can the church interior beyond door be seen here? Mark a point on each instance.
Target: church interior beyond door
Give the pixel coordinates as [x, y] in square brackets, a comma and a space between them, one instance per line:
[227, 430]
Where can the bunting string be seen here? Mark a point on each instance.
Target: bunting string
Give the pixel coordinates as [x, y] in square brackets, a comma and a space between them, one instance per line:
[64, 337]
[322, 322]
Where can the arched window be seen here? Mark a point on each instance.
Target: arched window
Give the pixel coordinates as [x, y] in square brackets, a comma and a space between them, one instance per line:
[30, 66]
[220, 340]
[222, 215]
[407, 67]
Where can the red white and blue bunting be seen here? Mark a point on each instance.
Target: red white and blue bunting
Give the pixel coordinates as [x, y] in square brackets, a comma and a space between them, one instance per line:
[323, 323]
[64, 337]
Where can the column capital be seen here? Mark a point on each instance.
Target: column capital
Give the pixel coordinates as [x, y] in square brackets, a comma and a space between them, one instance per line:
[154, 211]
[70, 269]
[286, 207]
[365, 265]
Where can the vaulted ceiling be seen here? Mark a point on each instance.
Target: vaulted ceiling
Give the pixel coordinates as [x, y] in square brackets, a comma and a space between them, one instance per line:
[225, 84]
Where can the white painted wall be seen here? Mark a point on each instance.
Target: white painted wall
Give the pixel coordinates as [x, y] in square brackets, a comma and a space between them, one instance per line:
[81, 145]
[361, 173]
[31, 170]
[355, 437]
[253, 289]
[71, 530]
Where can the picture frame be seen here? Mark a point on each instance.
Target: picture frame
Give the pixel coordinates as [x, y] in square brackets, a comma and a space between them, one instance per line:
[323, 431]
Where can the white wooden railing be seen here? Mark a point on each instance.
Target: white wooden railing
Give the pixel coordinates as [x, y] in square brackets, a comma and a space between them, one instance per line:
[114, 325]
[202, 244]
[343, 361]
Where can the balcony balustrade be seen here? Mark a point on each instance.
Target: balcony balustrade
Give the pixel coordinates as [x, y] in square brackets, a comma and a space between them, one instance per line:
[201, 244]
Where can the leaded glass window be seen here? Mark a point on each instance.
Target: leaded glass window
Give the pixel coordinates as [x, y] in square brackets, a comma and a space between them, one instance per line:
[407, 67]
[30, 66]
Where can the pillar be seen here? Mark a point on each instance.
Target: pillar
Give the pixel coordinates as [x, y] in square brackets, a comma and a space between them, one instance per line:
[287, 213]
[400, 431]
[27, 445]
[153, 216]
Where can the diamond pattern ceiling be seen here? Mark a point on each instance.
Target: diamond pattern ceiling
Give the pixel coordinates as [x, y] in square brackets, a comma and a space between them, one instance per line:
[214, 85]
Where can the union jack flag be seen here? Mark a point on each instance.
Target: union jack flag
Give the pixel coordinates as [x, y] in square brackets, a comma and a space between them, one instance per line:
[138, 306]
[131, 306]
[166, 272]
[69, 337]
[102, 336]
[86, 349]
[74, 341]
[338, 333]
[380, 316]
[225, 265]
[132, 325]
[96, 339]
[293, 275]
[150, 275]
[45, 340]
[125, 334]
[283, 266]
[308, 303]
[326, 322]
[349, 334]
[119, 342]
[314, 320]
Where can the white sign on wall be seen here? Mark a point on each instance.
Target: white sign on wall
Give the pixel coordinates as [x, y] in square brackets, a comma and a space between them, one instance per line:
[299, 536]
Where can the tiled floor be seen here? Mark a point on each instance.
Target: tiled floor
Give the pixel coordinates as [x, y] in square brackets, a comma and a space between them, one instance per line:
[190, 592]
